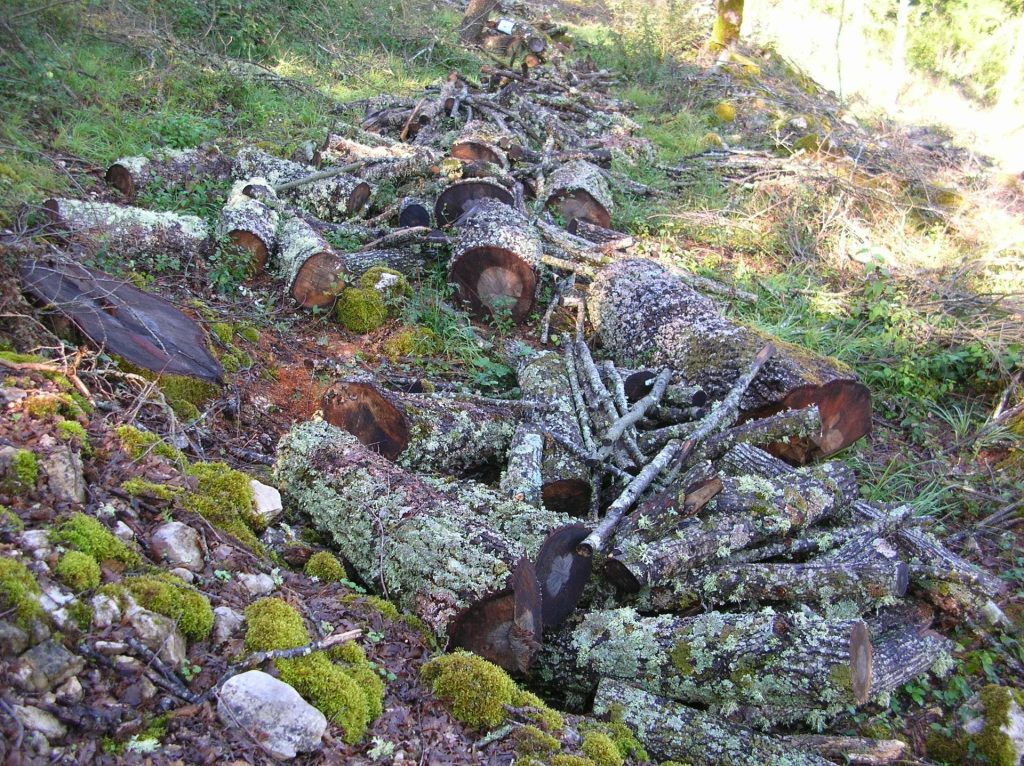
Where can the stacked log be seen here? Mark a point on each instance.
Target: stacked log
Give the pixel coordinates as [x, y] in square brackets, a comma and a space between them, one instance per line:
[494, 260]
[577, 190]
[479, 142]
[313, 273]
[131, 175]
[457, 198]
[249, 224]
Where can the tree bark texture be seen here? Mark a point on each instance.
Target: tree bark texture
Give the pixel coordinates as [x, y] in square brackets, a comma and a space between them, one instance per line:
[473, 21]
[313, 273]
[249, 224]
[728, 20]
[478, 142]
[130, 175]
[577, 191]
[409, 262]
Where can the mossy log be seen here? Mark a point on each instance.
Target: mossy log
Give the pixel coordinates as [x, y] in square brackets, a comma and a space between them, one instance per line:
[127, 233]
[721, 660]
[436, 556]
[577, 190]
[409, 262]
[422, 433]
[750, 509]
[607, 240]
[330, 199]
[249, 224]
[479, 141]
[565, 478]
[645, 314]
[670, 730]
[494, 261]
[458, 197]
[130, 175]
[313, 273]
[412, 211]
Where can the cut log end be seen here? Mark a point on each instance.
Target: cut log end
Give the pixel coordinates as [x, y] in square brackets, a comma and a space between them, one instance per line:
[493, 280]
[246, 240]
[360, 409]
[477, 151]
[358, 197]
[861, 662]
[845, 407]
[562, 573]
[568, 496]
[619, 575]
[120, 178]
[456, 198]
[319, 280]
[579, 205]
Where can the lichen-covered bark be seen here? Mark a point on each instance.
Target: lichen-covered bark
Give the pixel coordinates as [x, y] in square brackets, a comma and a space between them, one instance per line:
[330, 199]
[670, 730]
[647, 317]
[249, 223]
[457, 197]
[405, 538]
[130, 232]
[313, 274]
[905, 653]
[577, 190]
[478, 140]
[522, 478]
[130, 175]
[721, 660]
[728, 20]
[542, 378]
[409, 262]
[607, 240]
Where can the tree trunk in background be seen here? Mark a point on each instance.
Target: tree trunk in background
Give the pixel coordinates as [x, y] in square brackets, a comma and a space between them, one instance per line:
[728, 20]
[899, 48]
[1010, 84]
[474, 18]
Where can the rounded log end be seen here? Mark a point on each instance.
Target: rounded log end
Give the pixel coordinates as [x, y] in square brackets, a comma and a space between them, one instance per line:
[902, 581]
[562, 573]
[246, 240]
[119, 177]
[494, 279]
[413, 213]
[579, 204]
[454, 200]
[472, 150]
[845, 407]
[52, 208]
[568, 496]
[319, 280]
[862, 656]
[364, 412]
[620, 576]
[358, 197]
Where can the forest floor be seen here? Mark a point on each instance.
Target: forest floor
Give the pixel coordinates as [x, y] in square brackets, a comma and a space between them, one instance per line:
[907, 264]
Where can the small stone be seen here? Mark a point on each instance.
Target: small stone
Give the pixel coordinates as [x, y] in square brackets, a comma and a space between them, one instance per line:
[183, 574]
[127, 665]
[267, 501]
[13, 640]
[123, 532]
[110, 647]
[222, 552]
[44, 666]
[34, 719]
[53, 600]
[35, 542]
[256, 584]
[159, 634]
[225, 622]
[272, 712]
[71, 690]
[178, 545]
[105, 611]
[63, 468]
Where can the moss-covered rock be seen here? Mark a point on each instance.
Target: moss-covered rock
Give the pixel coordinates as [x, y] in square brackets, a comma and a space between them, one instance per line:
[391, 284]
[10, 522]
[172, 597]
[248, 332]
[945, 749]
[224, 331]
[529, 741]
[273, 624]
[330, 689]
[88, 535]
[79, 571]
[224, 497]
[1002, 709]
[73, 431]
[325, 567]
[411, 341]
[360, 310]
[725, 111]
[19, 592]
[599, 747]
[138, 487]
[352, 659]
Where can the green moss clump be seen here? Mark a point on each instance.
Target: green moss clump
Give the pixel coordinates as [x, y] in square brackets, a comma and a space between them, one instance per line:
[172, 597]
[179, 390]
[249, 333]
[599, 747]
[395, 292]
[44, 405]
[414, 341]
[945, 749]
[625, 741]
[138, 443]
[680, 656]
[89, 536]
[73, 431]
[725, 111]
[81, 613]
[224, 497]
[24, 471]
[550, 719]
[273, 624]
[14, 356]
[360, 310]
[351, 657]
[571, 760]
[992, 741]
[224, 331]
[325, 567]
[236, 360]
[18, 592]
[385, 607]
[10, 522]
[79, 571]
[330, 689]
[137, 487]
[531, 741]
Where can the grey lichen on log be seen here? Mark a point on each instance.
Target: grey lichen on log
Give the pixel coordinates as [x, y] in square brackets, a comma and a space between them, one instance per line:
[313, 273]
[409, 262]
[478, 140]
[577, 190]
[250, 224]
[130, 175]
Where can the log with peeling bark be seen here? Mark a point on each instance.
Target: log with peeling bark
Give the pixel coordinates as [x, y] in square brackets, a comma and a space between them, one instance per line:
[857, 751]
[341, 150]
[479, 141]
[720, 660]
[434, 555]
[249, 224]
[334, 198]
[408, 262]
[644, 313]
[671, 730]
[565, 477]
[494, 261]
[577, 190]
[130, 175]
[749, 510]
[129, 232]
[313, 273]
[422, 433]
[607, 240]
[458, 197]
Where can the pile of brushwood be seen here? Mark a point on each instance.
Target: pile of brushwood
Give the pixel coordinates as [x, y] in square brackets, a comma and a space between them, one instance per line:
[657, 531]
